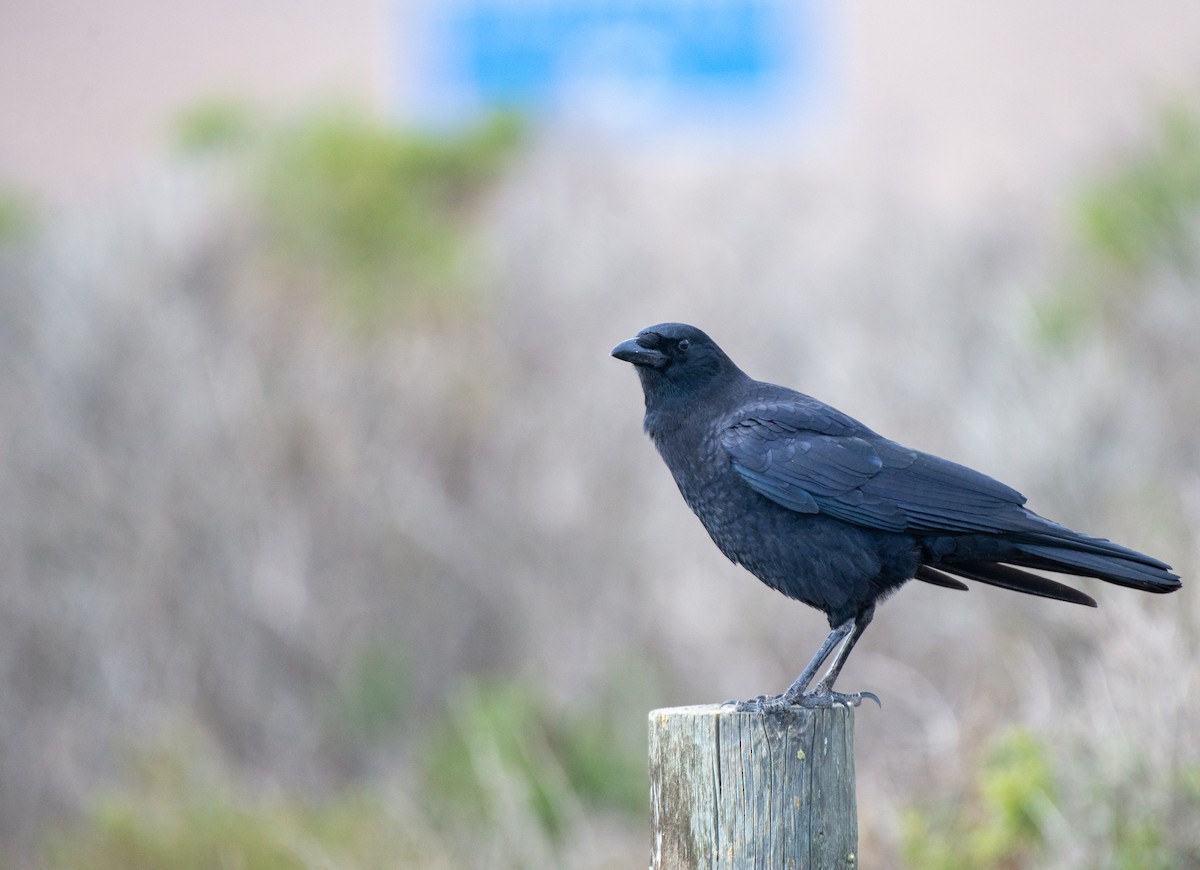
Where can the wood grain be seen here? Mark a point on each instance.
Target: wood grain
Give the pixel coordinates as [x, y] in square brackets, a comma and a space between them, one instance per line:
[732, 791]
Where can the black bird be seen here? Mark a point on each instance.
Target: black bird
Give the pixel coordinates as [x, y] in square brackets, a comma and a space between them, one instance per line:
[828, 512]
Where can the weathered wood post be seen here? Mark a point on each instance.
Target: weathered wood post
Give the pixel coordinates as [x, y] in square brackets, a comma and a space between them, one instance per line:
[733, 791]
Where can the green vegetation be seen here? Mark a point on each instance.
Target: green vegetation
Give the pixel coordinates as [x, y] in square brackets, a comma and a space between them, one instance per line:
[1150, 823]
[174, 816]
[357, 212]
[998, 825]
[1001, 822]
[216, 125]
[16, 215]
[375, 694]
[501, 763]
[376, 216]
[1140, 217]
[1147, 210]
[502, 751]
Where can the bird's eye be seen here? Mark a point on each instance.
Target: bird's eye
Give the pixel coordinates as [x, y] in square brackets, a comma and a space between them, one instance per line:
[683, 345]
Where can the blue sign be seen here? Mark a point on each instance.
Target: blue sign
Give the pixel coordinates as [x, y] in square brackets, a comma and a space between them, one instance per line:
[620, 63]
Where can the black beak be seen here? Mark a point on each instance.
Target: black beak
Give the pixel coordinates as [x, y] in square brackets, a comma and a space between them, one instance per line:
[632, 352]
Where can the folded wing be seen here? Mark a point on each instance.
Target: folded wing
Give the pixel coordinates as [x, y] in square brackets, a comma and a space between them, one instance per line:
[809, 458]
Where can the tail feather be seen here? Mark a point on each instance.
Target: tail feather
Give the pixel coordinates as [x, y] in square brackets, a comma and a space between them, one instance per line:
[1007, 577]
[1086, 559]
[1047, 547]
[937, 578]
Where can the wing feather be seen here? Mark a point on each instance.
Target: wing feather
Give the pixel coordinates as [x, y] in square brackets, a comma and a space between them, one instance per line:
[809, 458]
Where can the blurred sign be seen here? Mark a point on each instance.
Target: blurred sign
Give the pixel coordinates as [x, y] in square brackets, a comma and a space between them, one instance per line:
[619, 63]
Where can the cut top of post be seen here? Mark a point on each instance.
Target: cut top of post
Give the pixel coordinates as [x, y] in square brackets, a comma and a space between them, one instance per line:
[734, 790]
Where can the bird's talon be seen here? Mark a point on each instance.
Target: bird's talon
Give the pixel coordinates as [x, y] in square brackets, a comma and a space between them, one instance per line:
[814, 700]
[760, 704]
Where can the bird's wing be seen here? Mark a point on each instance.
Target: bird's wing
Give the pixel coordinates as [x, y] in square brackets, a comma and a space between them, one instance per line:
[812, 459]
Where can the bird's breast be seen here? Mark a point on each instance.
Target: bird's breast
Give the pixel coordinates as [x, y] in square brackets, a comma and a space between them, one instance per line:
[822, 561]
[711, 486]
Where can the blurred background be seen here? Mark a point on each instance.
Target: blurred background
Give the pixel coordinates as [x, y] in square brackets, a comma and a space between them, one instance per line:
[328, 533]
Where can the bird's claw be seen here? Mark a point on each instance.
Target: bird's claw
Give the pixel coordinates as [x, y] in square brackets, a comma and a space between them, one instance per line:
[837, 699]
[811, 701]
[761, 704]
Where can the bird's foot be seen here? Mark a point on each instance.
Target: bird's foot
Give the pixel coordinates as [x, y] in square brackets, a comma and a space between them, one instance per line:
[761, 704]
[817, 698]
[829, 698]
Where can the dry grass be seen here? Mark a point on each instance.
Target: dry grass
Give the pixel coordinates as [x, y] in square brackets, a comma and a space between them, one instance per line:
[216, 504]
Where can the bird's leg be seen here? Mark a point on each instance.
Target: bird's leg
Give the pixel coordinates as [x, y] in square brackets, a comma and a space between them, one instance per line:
[822, 694]
[796, 690]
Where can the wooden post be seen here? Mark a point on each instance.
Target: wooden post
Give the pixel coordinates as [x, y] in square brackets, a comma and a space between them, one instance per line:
[734, 791]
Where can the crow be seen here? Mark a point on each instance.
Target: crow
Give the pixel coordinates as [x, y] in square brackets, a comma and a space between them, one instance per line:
[830, 513]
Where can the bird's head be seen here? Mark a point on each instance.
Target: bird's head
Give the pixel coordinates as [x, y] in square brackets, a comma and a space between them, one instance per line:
[675, 360]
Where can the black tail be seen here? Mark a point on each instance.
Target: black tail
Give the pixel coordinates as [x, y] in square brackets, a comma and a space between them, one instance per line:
[1096, 557]
[1056, 549]
[1007, 577]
